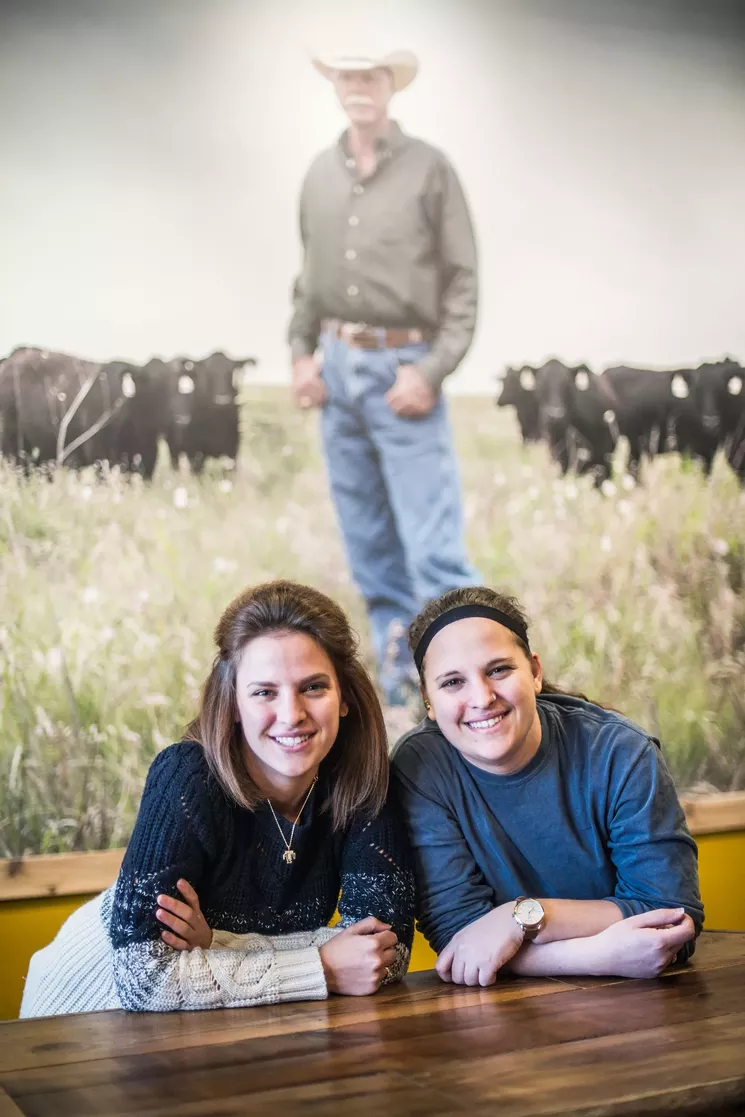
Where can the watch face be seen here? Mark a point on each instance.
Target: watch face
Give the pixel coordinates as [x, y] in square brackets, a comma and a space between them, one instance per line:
[529, 912]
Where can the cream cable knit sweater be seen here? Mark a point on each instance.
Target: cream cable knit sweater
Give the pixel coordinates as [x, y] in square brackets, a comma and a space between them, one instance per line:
[75, 973]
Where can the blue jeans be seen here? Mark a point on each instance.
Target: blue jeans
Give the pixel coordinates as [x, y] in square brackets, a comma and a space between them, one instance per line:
[396, 491]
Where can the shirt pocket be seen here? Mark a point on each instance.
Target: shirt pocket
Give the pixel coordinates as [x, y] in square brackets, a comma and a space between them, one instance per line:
[403, 224]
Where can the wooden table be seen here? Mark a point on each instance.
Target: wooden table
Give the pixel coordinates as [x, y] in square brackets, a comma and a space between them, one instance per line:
[585, 1048]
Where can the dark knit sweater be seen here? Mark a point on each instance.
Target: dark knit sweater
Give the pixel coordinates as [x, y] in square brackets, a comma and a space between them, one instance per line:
[187, 827]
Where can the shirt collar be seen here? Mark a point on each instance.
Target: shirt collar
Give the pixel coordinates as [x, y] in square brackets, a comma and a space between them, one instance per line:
[395, 139]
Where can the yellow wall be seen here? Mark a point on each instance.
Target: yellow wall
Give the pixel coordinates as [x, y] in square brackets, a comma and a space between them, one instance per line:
[721, 866]
[27, 925]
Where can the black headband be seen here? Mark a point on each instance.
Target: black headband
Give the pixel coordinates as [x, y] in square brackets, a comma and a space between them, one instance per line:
[459, 613]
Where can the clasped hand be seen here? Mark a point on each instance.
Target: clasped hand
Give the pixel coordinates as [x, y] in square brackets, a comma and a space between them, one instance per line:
[475, 954]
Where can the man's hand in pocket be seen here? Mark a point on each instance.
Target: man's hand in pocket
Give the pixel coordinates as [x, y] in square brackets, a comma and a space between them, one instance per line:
[412, 396]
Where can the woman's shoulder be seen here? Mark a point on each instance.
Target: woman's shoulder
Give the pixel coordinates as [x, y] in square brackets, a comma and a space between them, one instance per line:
[181, 761]
[180, 796]
[180, 771]
[423, 753]
[596, 729]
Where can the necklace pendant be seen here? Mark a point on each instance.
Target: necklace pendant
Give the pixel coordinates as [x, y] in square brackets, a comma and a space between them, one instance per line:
[288, 856]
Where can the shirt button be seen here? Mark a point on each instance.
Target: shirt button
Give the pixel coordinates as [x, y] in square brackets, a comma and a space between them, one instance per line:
[358, 188]
[352, 291]
[354, 220]
[350, 254]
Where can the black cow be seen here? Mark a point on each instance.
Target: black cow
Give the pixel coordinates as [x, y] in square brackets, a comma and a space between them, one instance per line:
[719, 399]
[583, 415]
[661, 410]
[36, 390]
[688, 429]
[132, 442]
[575, 418]
[517, 389]
[203, 408]
[55, 408]
[643, 406]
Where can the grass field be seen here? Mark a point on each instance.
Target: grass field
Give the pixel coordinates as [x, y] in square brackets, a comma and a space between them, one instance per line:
[109, 593]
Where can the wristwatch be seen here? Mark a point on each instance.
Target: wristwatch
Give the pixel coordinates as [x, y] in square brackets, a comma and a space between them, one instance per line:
[529, 915]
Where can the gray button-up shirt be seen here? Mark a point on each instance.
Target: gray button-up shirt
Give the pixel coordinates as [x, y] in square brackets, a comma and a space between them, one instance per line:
[394, 249]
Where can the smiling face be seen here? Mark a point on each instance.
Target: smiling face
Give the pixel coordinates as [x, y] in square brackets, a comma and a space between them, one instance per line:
[289, 705]
[364, 94]
[482, 689]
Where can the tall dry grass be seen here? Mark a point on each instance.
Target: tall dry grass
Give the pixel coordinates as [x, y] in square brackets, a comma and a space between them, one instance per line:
[109, 592]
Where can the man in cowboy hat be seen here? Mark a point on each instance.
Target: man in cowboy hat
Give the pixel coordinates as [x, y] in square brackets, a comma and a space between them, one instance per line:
[388, 288]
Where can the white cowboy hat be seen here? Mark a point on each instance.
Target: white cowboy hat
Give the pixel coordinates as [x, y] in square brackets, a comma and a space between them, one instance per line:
[402, 64]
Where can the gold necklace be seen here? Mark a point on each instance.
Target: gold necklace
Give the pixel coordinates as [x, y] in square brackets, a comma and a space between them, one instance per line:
[289, 854]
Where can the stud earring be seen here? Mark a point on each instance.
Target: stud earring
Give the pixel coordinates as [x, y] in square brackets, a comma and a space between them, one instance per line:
[427, 705]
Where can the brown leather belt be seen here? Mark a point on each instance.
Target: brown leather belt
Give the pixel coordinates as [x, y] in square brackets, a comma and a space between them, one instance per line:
[374, 337]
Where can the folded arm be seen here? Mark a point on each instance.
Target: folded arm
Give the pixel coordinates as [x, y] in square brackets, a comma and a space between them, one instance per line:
[175, 837]
[475, 937]
[655, 857]
[153, 977]
[378, 880]
[639, 946]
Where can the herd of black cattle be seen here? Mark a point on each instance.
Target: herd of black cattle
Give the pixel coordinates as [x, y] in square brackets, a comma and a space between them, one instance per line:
[59, 409]
[63, 410]
[581, 415]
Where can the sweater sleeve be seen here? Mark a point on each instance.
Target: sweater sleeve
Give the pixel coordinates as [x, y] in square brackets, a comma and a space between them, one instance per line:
[655, 857]
[175, 836]
[377, 878]
[451, 889]
[227, 940]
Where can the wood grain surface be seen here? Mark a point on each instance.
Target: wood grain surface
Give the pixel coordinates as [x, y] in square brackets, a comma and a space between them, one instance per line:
[522, 1048]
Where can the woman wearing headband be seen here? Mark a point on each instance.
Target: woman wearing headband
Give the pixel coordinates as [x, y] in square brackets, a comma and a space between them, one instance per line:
[548, 835]
[247, 831]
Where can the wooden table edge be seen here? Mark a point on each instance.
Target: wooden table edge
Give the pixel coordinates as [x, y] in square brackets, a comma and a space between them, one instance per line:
[8, 1107]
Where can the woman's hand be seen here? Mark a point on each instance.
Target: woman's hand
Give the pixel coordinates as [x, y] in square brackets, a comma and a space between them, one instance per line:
[188, 926]
[642, 945]
[476, 953]
[356, 960]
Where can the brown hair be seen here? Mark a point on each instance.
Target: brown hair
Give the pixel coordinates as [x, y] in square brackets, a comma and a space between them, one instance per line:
[358, 761]
[479, 595]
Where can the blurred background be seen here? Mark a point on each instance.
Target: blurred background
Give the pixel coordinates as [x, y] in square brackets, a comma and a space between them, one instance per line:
[152, 156]
[153, 152]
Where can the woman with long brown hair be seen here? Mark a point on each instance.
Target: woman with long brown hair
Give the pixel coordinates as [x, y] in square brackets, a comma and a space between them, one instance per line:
[547, 833]
[274, 803]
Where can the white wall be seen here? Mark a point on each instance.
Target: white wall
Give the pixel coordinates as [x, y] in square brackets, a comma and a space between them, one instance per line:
[152, 155]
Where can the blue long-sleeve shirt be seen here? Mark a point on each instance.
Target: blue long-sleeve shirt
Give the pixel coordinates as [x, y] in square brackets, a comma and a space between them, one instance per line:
[593, 816]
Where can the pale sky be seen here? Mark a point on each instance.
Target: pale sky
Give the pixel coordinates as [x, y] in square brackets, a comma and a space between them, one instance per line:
[152, 156]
